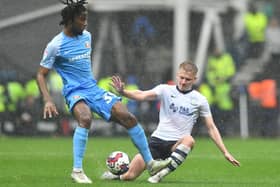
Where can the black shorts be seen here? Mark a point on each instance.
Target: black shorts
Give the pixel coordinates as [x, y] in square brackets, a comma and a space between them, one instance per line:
[160, 149]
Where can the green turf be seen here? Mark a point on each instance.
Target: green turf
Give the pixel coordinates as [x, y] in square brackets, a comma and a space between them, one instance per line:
[47, 162]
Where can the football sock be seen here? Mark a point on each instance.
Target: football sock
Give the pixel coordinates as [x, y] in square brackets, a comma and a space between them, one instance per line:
[178, 157]
[139, 139]
[79, 146]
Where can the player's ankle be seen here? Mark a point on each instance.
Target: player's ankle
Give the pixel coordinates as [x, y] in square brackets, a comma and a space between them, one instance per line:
[150, 164]
[121, 177]
[77, 169]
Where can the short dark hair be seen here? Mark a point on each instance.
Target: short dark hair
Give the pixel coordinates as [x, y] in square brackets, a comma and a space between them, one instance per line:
[73, 9]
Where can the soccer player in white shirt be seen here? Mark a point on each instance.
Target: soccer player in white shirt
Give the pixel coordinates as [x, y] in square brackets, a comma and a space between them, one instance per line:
[180, 106]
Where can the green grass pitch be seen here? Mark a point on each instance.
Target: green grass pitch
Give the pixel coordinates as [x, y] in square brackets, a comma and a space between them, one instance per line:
[39, 162]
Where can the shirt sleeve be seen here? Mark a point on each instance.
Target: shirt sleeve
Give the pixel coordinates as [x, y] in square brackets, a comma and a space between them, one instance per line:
[158, 90]
[205, 108]
[49, 56]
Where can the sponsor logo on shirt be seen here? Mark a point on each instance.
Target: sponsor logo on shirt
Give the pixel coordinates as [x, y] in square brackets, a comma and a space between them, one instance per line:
[180, 109]
[80, 57]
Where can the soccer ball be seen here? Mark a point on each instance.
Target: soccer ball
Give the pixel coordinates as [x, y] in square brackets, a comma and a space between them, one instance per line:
[118, 162]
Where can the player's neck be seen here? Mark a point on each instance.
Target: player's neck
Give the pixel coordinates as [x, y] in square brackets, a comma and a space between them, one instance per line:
[184, 91]
[68, 33]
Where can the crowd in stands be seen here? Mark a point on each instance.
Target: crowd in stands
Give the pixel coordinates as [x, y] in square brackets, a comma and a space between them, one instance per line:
[217, 87]
[20, 104]
[262, 30]
[261, 35]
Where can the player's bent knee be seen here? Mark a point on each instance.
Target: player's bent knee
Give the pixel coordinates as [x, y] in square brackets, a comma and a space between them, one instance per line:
[128, 121]
[192, 140]
[189, 141]
[85, 120]
[124, 117]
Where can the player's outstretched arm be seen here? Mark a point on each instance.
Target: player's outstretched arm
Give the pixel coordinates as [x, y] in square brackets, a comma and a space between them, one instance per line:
[49, 107]
[132, 94]
[216, 137]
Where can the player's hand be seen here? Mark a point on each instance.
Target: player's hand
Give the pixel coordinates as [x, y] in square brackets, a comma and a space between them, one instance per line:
[231, 159]
[117, 84]
[50, 110]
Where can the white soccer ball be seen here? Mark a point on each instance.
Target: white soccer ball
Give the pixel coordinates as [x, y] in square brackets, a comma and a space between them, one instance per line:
[118, 162]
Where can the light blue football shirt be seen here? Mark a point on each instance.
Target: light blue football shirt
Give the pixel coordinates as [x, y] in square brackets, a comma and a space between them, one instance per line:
[71, 58]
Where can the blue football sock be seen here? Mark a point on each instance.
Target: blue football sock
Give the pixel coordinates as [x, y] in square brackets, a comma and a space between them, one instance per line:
[140, 141]
[79, 146]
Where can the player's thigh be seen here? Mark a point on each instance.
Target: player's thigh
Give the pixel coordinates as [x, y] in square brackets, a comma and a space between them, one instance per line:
[82, 113]
[136, 167]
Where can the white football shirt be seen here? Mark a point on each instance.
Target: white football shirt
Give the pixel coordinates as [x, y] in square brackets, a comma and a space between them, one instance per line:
[178, 112]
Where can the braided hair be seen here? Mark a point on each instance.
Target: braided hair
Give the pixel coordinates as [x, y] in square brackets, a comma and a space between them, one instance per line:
[73, 9]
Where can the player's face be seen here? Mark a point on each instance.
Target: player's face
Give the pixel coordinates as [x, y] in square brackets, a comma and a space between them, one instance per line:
[79, 24]
[185, 79]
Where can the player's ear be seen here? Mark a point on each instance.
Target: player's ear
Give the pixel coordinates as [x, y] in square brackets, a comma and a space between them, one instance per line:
[70, 22]
[194, 79]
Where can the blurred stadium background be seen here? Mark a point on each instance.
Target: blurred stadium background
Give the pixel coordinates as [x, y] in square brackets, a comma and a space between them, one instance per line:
[144, 41]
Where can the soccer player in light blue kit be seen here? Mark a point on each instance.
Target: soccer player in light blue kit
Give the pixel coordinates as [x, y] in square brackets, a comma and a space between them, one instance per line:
[69, 53]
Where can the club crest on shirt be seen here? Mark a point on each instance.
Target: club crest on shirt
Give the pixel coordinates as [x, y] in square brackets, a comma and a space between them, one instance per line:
[87, 44]
[76, 97]
[194, 102]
